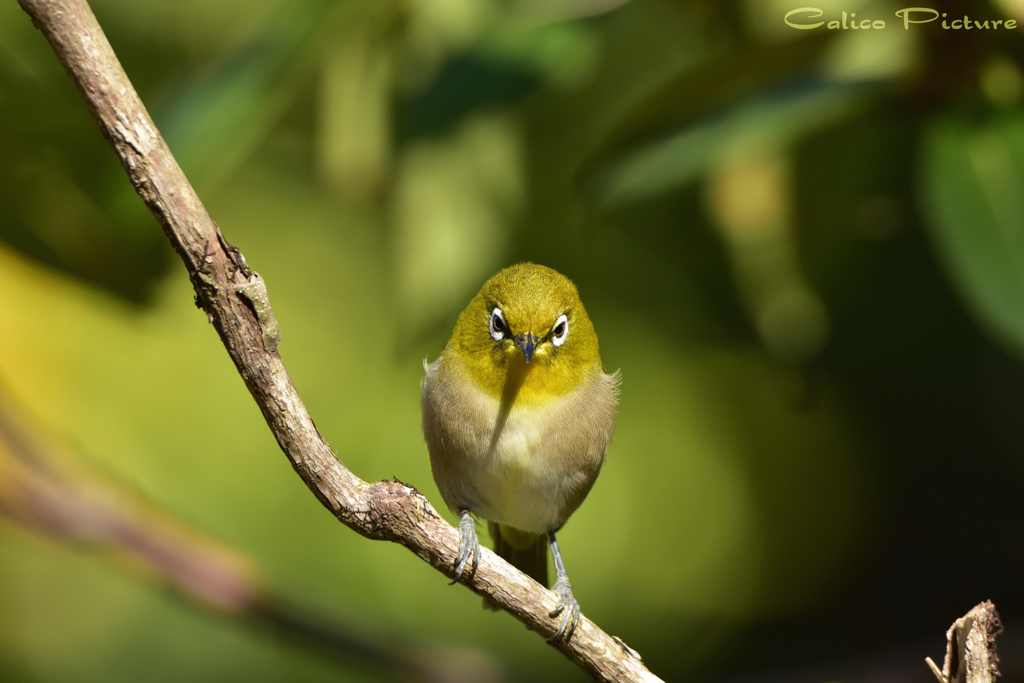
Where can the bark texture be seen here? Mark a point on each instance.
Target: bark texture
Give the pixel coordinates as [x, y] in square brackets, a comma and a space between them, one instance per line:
[971, 648]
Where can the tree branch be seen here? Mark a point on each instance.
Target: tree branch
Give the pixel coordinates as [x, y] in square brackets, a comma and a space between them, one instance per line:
[971, 648]
[229, 293]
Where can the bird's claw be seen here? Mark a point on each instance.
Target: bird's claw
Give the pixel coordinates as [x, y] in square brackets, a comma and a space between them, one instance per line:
[468, 545]
[567, 607]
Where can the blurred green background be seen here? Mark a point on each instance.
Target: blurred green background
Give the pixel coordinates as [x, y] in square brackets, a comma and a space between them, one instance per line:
[803, 248]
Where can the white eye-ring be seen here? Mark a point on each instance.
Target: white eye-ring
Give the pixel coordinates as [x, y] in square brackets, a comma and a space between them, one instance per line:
[561, 331]
[497, 325]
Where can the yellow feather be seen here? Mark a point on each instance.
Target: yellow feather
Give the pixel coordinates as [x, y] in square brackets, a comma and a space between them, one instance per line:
[532, 298]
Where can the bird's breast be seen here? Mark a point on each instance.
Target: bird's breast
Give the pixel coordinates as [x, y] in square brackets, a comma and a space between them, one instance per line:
[524, 463]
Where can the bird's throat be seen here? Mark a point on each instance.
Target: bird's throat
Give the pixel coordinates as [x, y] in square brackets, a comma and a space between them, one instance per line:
[515, 378]
[519, 383]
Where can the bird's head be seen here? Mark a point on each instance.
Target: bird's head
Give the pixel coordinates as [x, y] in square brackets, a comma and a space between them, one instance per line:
[527, 319]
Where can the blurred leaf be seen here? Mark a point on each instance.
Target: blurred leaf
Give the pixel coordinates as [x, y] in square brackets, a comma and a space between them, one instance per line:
[716, 82]
[354, 121]
[454, 198]
[563, 53]
[769, 121]
[57, 170]
[973, 196]
[212, 123]
[64, 199]
[465, 84]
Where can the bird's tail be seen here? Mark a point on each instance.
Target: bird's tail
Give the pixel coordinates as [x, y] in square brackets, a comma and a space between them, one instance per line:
[525, 551]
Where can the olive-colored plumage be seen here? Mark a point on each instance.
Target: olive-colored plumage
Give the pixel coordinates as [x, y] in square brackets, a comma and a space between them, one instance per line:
[517, 414]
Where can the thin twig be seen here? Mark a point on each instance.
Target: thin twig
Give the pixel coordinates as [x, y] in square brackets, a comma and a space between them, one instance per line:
[390, 511]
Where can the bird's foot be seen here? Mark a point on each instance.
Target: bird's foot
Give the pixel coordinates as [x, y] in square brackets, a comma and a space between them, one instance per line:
[567, 607]
[468, 545]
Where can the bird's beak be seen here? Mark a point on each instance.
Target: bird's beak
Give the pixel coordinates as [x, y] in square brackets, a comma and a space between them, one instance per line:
[527, 342]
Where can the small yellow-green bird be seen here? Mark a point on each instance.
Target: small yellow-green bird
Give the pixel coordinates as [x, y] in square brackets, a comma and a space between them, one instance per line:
[517, 413]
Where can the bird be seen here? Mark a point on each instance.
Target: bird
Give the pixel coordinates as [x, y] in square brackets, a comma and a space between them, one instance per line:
[518, 411]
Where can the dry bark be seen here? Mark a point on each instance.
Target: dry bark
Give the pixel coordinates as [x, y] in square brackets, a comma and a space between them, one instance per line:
[971, 648]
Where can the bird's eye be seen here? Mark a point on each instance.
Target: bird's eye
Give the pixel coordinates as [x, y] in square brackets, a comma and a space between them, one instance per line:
[497, 325]
[561, 331]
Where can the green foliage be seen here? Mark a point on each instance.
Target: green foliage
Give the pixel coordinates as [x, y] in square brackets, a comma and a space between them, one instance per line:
[972, 176]
[739, 204]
